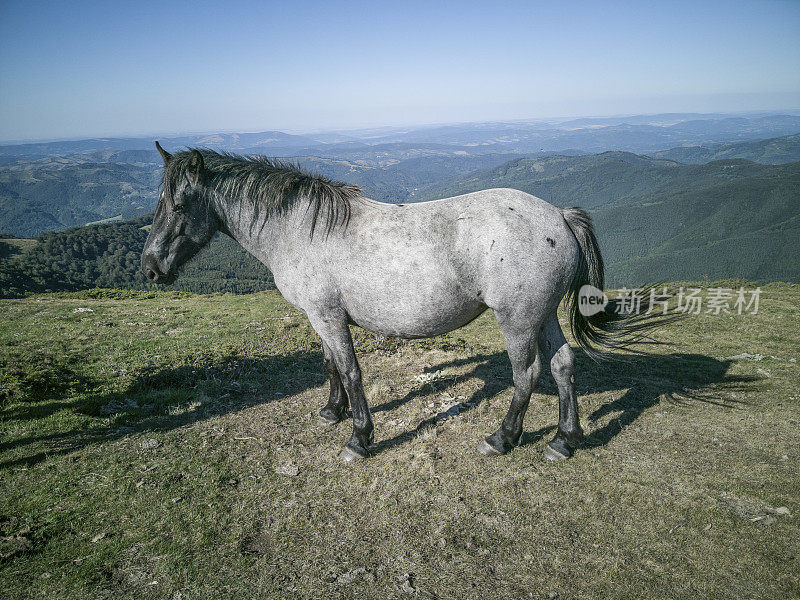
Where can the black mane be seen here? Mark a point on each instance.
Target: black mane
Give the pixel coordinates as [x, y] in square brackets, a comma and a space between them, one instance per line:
[269, 183]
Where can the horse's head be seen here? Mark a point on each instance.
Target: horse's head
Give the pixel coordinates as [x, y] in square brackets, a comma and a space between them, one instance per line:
[184, 221]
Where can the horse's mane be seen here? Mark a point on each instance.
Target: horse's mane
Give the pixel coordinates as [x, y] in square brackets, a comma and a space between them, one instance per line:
[269, 183]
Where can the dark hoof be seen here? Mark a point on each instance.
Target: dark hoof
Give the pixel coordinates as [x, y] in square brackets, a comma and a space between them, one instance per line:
[349, 455]
[328, 416]
[556, 452]
[487, 449]
[326, 421]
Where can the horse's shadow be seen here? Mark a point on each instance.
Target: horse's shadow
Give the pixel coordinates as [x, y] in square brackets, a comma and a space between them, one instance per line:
[642, 380]
[161, 399]
[174, 400]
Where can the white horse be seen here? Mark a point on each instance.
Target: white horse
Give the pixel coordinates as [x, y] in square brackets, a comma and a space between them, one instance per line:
[405, 270]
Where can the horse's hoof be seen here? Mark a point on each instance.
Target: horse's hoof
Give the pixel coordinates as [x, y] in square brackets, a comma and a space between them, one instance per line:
[554, 454]
[324, 421]
[487, 449]
[349, 455]
[329, 416]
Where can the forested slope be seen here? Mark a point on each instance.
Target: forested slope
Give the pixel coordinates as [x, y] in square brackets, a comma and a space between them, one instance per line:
[109, 256]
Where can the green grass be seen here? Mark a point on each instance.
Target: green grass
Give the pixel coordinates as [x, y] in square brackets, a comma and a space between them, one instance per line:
[164, 446]
[15, 246]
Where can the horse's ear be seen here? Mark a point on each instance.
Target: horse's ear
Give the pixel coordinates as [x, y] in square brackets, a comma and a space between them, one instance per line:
[164, 154]
[194, 170]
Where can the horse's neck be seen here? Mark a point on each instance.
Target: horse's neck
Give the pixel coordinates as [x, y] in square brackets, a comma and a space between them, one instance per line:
[251, 225]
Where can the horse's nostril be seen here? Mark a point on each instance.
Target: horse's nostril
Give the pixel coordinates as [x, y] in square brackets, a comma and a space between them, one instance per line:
[151, 275]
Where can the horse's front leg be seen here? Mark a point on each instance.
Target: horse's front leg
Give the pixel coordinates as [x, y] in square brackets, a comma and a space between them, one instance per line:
[336, 335]
[336, 408]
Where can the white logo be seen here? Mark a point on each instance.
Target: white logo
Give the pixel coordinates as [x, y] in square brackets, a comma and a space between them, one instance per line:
[591, 300]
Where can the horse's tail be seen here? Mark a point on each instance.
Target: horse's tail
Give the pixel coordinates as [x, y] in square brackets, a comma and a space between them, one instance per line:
[612, 328]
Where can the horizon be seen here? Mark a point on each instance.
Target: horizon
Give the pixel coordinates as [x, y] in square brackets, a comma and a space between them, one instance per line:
[552, 121]
[92, 70]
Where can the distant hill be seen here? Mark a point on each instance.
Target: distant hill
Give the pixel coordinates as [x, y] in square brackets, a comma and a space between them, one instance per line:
[34, 198]
[270, 142]
[109, 256]
[660, 220]
[634, 133]
[771, 151]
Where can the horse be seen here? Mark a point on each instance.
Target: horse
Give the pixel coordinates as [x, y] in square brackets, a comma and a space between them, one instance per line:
[405, 270]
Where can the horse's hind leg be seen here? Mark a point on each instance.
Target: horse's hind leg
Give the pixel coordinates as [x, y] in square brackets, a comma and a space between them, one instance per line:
[556, 350]
[334, 411]
[336, 335]
[526, 366]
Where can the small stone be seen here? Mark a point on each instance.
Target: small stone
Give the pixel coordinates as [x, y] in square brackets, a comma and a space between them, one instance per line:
[118, 406]
[150, 444]
[782, 510]
[746, 356]
[404, 585]
[177, 499]
[13, 545]
[289, 469]
[98, 537]
[350, 576]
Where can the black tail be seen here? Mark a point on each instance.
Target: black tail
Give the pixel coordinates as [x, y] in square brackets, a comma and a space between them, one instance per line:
[610, 329]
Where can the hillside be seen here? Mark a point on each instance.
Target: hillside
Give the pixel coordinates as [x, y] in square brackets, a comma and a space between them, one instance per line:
[164, 445]
[659, 220]
[772, 151]
[109, 256]
[35, 198]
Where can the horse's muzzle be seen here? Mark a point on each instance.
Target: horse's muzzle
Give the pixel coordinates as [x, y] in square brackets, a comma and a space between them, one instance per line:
[151, 270]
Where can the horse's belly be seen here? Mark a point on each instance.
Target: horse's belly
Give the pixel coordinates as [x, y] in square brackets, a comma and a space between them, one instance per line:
[410, 315]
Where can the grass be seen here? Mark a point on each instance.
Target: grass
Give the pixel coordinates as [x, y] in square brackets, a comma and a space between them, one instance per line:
[14, 246]
[163, 445]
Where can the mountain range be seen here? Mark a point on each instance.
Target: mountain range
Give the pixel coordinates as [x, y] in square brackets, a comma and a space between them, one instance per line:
[770, 152]
[635, 133]
[714, 210]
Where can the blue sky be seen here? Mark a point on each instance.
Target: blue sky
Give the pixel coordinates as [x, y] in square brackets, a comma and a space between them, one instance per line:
[72, 69]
